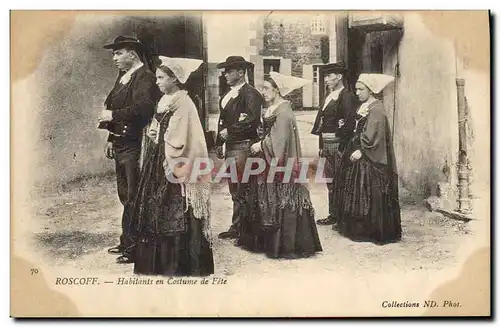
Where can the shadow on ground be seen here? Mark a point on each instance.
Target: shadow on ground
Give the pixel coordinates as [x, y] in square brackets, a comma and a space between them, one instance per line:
[72, 244]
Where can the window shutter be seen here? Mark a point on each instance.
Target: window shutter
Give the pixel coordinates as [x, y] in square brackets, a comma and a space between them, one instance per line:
[286, 67]
[307, 93]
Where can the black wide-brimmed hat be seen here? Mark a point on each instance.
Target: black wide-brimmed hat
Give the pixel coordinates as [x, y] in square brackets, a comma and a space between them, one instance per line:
[235, 62]
[121, 42]
[335, 68]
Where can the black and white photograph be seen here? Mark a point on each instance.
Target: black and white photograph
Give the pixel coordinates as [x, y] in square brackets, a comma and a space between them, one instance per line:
[250, 163]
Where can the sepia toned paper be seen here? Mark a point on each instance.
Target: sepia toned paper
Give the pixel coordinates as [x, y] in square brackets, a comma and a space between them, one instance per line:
[66, 212]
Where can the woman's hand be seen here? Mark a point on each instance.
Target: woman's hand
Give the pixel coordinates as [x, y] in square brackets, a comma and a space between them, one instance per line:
[168, 170]
[152, 133]
[356, 155]
[219, 151]
[223, 134]
[255, 148]
[260, 131]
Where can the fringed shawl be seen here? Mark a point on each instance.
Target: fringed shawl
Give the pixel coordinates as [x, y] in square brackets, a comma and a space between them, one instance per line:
[282, 138]
[185, 139]
[281, 143]
[376, 139]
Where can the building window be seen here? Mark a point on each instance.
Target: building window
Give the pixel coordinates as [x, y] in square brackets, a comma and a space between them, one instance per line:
[318, 25]
[271, 65]
[316, 74]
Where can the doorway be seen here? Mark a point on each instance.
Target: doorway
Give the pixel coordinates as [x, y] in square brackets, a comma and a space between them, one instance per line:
[179, 35]
[365, 54]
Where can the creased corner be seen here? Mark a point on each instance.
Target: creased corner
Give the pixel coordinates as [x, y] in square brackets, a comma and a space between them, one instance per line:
[469, 293]
[31, 296]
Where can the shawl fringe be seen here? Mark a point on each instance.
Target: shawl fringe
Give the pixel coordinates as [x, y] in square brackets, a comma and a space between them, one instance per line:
[293, 196]
[198, 198]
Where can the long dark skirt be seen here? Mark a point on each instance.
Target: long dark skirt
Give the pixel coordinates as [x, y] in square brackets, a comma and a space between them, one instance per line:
[184, 255]
[366, 198]
[169, 240]
[279, 231]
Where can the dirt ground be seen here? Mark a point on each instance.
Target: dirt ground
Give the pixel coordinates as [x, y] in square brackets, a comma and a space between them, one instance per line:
[77, 224]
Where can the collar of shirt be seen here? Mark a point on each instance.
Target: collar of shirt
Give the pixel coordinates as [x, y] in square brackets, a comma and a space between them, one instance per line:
[237, 87]
[126, 77]
[233, 93]
[334, 95]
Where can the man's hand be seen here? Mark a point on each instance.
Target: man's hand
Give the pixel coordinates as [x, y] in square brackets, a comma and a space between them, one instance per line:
[105, 115]
[242, 117]
[320, 153]
[223, 133]
[109, 151]
[356, 155]
[219, 152]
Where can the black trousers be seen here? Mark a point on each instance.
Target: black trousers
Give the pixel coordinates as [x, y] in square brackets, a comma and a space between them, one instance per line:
[239, 193]
[332, 155]
[127, 178]
[239, 151]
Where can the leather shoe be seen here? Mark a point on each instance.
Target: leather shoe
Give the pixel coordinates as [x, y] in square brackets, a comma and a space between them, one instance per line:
[116, 250]
[290, 256]
[228, 235]
[123, 259]
[327, 221]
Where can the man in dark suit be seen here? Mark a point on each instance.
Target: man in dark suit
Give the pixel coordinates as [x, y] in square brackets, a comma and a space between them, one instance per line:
[129, 108]
[334, 126]
[239, 120]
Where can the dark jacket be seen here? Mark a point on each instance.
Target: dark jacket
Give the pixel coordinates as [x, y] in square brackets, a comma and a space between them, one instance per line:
[249, 101]
[327, 121]
[132, 106]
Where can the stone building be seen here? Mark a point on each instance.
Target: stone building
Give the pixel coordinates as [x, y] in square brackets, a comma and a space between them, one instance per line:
[427, 60]
[286, 43]
[423, 102]
[433, 118]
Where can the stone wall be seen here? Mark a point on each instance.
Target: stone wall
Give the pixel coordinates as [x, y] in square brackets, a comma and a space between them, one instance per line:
[289, 36]
[63, 96]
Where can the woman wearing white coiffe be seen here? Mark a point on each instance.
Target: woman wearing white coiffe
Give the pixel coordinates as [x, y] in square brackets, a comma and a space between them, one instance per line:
[366, 190]
[281, 222]
[172, 213]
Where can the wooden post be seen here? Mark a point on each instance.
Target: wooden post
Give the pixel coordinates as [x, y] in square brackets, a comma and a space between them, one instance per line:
[251, 76]
[464, 203]
[321, 85]
[341, 37]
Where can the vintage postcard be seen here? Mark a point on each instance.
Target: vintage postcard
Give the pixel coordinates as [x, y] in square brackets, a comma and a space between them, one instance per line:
[250, 163]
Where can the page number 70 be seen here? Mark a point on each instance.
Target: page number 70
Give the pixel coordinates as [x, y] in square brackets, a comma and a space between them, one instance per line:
[34, 271]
